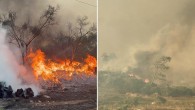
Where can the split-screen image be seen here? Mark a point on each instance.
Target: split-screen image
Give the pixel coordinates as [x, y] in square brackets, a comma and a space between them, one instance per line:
[97, 55]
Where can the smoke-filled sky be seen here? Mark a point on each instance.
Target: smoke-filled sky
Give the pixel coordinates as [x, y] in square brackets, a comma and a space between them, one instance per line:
[69, 9]
[137, 31]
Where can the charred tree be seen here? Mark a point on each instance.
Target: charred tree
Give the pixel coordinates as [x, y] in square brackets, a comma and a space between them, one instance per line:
[82, 34]
[23, 35]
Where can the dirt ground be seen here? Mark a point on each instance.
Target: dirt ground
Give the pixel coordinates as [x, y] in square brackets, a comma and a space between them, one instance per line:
[72, 97]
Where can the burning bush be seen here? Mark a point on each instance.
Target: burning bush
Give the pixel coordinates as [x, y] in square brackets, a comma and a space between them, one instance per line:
[53, 71]
[70, 52]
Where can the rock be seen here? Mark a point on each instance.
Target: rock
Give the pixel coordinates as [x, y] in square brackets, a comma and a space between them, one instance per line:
[1, 90]
[28, 93]
[31, 101]
[153, 103]
[9, 92]
[46, 96]
[19, 93]
[65, 89]
[5, 92]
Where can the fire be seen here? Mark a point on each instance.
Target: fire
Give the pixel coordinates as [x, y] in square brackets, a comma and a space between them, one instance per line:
[49, 70]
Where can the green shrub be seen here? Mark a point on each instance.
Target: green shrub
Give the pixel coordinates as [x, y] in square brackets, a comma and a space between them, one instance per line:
[161, 100]
[180, 91]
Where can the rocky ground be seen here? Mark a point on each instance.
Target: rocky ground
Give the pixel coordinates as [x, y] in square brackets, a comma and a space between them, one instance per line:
[72, 97]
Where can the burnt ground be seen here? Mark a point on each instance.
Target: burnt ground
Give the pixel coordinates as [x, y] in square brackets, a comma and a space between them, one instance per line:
[72, 97]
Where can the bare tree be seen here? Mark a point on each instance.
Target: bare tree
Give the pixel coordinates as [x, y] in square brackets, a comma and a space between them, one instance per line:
[23, 35]
[68, 42]
[78, 33]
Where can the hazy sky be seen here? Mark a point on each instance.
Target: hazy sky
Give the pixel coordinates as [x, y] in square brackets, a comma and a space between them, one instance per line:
[127, 22]
[68, 8]
[132, 28]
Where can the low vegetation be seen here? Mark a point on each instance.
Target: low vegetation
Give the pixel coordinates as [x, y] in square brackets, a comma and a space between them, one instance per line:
[121, 91]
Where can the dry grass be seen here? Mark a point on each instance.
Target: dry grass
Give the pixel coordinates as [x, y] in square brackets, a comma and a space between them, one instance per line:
[116, 101]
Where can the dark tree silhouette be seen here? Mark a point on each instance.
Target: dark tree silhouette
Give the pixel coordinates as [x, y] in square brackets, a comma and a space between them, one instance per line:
[160, 66]
[23, 35]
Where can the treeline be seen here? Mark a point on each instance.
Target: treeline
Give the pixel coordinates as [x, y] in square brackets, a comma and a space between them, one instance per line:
[74, 40]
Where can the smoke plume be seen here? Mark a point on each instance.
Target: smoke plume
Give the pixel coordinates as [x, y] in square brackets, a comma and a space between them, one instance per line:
[146, 32]
[10, 68]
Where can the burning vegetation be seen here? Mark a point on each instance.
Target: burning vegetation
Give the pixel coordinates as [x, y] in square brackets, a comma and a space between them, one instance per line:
[74, 45]
[54, 71]
[62, 63]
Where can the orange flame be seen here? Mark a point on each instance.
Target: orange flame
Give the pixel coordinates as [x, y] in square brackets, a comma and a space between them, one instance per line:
[63, 69]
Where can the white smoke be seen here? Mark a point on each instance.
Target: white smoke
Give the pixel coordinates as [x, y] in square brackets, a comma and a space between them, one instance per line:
[9, 66]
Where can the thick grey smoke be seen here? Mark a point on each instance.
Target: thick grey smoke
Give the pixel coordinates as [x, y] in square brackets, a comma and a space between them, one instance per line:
[33, 9]
[10, 68]
[146, 31]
